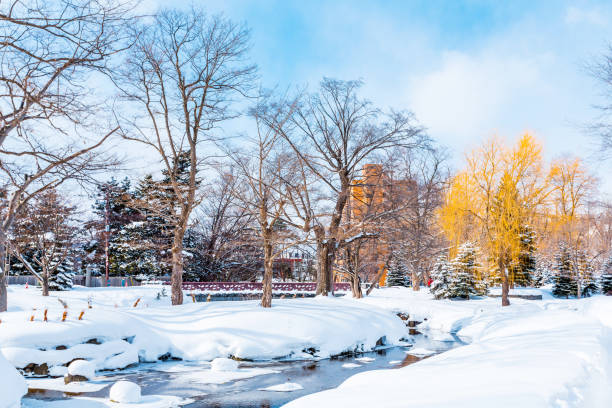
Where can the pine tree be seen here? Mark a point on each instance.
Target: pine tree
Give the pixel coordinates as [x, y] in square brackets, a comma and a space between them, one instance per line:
[442, 277]
[397, 273]
[116, 198]
[605, 279]
[542, 273]
[465, 268]
[62, 278]
[565, 284]
[585, 274]
[521, 273]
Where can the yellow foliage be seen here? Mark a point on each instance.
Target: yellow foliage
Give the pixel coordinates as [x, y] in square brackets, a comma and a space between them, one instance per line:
[500, 191]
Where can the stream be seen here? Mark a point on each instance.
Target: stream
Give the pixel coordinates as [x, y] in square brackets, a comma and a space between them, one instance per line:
[192, 379]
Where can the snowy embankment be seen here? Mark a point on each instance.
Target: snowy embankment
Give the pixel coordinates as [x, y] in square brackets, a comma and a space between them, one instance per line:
[12, 385]
[550, 353]
[114, 334]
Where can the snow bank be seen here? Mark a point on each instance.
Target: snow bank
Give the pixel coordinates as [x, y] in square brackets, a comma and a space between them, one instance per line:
[12, 385]
[114, 334]
[555, 353]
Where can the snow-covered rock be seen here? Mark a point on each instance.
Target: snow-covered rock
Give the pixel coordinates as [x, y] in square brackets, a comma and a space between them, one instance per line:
[82, 368]
[12, 385]
[223, 364]
[58, 371]
[125, 392]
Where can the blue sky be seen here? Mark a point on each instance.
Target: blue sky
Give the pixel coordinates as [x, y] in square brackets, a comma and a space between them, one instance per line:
[467, 69]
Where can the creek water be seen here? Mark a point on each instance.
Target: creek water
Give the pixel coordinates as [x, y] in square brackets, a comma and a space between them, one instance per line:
[183, 379]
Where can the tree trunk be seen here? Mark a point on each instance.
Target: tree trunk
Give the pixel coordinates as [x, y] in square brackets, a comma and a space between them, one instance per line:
[3, 290]
[505, 285]
[375, 281]
[356, 286]
[416, 283]
[176, 280]
[266, 298]
[45, 282]
[322, 273]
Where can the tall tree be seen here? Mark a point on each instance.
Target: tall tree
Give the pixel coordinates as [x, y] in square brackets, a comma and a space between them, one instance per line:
[183, 72]
[334, 132]
[47, 130]
[605, 280]
[499, 192]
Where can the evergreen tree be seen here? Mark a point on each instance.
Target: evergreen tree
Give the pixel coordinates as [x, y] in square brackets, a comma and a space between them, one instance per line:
[396, 276]
[465, 268]
[564, 284]
[442, 277]
[605, 280]
[522, 271]
[542, 273]
[585, 274]
[116, 198]
[62, 278]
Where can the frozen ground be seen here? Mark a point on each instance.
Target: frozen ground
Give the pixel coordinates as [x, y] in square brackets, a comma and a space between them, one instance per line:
[125, 326]
[549, 353]
[292, 328]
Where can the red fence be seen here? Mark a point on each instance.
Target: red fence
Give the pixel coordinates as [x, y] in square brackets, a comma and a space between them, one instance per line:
[278, 287]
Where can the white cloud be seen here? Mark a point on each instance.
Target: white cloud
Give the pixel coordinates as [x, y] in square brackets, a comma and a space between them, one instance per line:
[575, 15]
[470, 97]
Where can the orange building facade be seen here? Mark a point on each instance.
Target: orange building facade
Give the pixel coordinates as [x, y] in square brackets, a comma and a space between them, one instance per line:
[373, 195]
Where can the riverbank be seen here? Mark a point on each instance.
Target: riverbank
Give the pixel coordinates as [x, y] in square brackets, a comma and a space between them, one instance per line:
[125, 326]
[549, 353]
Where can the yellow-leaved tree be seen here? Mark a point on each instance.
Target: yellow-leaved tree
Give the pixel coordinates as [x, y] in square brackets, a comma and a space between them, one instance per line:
[500, 191]
[573, 184]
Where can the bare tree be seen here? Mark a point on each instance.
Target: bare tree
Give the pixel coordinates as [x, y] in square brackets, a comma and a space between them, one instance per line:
[601, 70]
[224, 225]
[266, 171]
[335, 132]
[48, 52]
[182, 73]
[44, 233]
[423, 174]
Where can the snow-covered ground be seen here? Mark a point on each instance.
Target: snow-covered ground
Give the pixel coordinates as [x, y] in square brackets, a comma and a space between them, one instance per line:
[534, 353]
[549, 353]
[114, 334]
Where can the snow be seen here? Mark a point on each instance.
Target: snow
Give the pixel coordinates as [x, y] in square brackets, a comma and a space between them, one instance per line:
[285, 387]
[83, 368]
[419, 351]
[549, 353]
[222, 377]
[534, 353]
[58, 384]
[125, 392]
[292, 328]
[12, 385]
[365, 359]
[58, 371]
[147, 401]
[223, 364]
